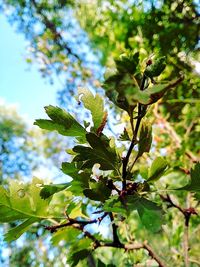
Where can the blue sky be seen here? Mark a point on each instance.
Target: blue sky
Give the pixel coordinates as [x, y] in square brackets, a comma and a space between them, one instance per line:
[19, 83]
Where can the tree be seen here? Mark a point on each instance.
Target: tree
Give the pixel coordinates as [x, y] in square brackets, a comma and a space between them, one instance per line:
[112, 188]
[24, 152]
[165, 29]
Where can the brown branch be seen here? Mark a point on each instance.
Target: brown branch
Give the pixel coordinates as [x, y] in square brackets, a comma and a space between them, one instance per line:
[51, 26]
[153, 254]
[72, 222]
[136, 246]
[139, 118]
[187, 215]
[116, 240]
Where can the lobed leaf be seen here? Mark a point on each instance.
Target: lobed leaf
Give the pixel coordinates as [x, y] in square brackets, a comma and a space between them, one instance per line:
[150, 213]
[62, 122]
[99, 152]
[22, 202]
[194, 184]
[145, 138]
[80, 180]
[17, 231]
[49, 190]
[99, 191]
[94, 104]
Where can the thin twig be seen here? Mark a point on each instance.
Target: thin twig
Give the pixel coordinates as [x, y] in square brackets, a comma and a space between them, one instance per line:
[187, 215]
[72, 222]
[186, 245]
[134, 138]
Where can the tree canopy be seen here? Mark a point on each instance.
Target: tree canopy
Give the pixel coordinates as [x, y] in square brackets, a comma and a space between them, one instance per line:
[130, 110]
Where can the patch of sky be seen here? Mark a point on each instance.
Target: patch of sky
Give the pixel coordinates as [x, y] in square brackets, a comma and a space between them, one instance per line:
[19, 84]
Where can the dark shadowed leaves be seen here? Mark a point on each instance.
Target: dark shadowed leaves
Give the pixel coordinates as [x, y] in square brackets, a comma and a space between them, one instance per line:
[194, 185]
[150, 213]
[79, 251]
[145, 138]
[99, 152]
[49, 190]
[99, 191]
[127, 62]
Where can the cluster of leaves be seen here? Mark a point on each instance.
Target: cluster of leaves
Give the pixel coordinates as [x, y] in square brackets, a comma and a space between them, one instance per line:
[173, 33]
[100, 175]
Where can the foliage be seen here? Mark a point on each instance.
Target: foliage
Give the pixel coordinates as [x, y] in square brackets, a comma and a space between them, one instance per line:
[131, 179]
[101, 176]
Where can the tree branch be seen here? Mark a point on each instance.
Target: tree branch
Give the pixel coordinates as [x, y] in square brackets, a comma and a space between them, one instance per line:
[139, 118]
[51, 26]
[187, 215]
[73, 222]
[136, 246]
[116, 240]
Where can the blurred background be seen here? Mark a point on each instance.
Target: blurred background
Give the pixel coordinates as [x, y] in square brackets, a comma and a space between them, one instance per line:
[48, 49]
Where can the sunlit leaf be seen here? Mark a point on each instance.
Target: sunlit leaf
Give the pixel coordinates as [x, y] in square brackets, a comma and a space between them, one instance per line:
[16, 232]
[157, 169]
[62, 122]
[94, 104]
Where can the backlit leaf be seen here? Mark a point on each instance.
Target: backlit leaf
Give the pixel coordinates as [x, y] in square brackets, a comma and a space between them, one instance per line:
[157, 169]
[99, 152]
[49, 190]
[94, 104]
[62, 122]
[145, 138]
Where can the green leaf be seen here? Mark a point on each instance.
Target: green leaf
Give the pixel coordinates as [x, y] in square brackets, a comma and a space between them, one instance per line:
[80, 180]
[94, 104]
[156, 68]
[151, 94]
[113, 204]
[145, 138]
[116, 86]
[68, 234]
[127, 62]
[22, 201]
[17, 231]
[99, 191]
[79, 251]
[157, 169]
[99, 152]
[151, 214]
[49, 190]
[62, 122]
[78, 256]
[124, 136]
[194, 185]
